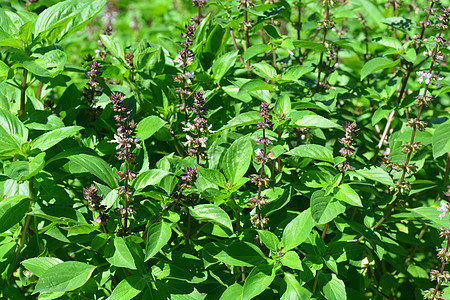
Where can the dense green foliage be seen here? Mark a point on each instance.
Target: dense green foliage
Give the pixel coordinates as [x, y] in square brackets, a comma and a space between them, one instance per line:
[224, 149]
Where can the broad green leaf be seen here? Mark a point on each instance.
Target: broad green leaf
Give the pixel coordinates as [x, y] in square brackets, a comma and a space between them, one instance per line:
[258, 281]
[294, 290]
[272, 31]
[114, 45]
[213, 176]
[222, 64]
[376, 174]
[315, 121]
[84, 17]
[241, 254]
[118, 254]
[441, 140]
[7, 40]
[150, 177]
[270, 240]
[63, 277]
[263, 69]
[297, 230]
[51, 138]
[12, 134]
[247, 118]
[4, 69]
[323, 208]
[376, 64]
[348, 195]
[295, 72]
[128, 288]
[390, 42]
[23, 170]
[310, 45]
[38, 265]
[55, 21]
[234, 291]
[313, 151]
[335, 289]
[48, 65]
[237, 159]
[157, 237]
[403, 24]
[211, 213]
[148, 126]
[12, 211]
[96, 166]
[255, 50]
[283, 106]
[430, 216]
[291, 260]
[254, 85]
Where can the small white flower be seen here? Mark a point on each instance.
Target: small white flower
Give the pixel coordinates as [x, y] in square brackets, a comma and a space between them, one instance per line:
[178, 61]
[188, 141]
[189, 127]
[258, 152]
[271, 156]
[203, 141]
[188, 77]
[444, 209]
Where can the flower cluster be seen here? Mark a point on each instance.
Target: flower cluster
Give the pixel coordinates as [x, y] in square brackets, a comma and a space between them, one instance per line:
[94, 204]
[93, 88]
[187, 179]
[349, 144]
[200, 15]
[196, 139]
[440, 275]
[102, 52]
[262, 157]
[125, 139]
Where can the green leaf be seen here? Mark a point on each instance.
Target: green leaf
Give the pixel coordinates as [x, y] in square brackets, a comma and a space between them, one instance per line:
[222, 64]
[234, 291]
[323, 208]
[376, 174]
[23, 170]
[118, 254]
[51, 138]
[270, 240]
[283, 106]
[55, 21]
[211, 213]
[441, 140]
[12, 134]
[390, 42]
[310, 45]
[4, 69]
[114, 45]
[376, 64]
[96, 166]
[38, 265]
[315, 121]
[157, 237]
[263, 69]
[297, 230]
[247, 118]
[150, 177]
[12, 211]
[313, 151]
[348, 195]
[295, 72]
[272, 31]
[65, 276]
[335, 289]
[213, 176]
[430, 216]
[241, 254]
[148, 126]
[291, 260]
[128, 288]
[254, 50]
[48, 65]
[403, 24]
[237, 159]
[295, 289]
[258, 281]
[254, 85]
